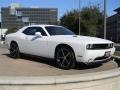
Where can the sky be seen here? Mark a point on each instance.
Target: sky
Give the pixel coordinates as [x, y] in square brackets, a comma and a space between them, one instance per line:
[64, 5]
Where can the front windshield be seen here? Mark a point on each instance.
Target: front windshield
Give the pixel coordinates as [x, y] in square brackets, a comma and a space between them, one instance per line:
[57, 30]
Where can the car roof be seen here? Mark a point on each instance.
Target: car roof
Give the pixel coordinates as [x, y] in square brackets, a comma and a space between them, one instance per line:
[40, 25]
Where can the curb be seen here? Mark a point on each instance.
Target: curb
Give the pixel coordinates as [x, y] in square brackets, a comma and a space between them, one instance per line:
[65, 79]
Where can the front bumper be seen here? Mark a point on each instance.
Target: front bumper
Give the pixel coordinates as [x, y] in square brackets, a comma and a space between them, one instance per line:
[90, 56]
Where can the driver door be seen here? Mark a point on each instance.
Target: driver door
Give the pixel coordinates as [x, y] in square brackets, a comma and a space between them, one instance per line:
[35, 45]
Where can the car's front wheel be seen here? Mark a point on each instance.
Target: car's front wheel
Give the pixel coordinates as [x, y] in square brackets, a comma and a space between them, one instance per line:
[65, 58]
[14, 50]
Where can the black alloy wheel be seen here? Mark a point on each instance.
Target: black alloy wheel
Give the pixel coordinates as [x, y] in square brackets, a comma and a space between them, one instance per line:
[14, 50]
[65, 58]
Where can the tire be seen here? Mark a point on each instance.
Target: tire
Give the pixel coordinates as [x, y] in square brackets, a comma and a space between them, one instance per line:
[14, 50]
[65, 58]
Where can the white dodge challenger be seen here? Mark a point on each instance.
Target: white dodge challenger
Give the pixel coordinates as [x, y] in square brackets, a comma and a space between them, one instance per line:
[59, 44]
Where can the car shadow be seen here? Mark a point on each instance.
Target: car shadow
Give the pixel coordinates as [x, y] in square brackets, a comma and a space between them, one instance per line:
[82, 66]
[47, 61]
[117, 61]
[51, 62]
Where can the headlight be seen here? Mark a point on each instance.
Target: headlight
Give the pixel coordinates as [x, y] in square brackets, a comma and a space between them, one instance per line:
[111, 45]
[89, 46]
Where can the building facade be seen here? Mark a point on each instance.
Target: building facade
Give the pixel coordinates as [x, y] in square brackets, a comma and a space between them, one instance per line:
[15, 16]
[113, 28]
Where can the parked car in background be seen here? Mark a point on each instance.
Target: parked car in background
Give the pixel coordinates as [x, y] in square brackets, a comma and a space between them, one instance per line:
[60, 44]
[2, 34]
[2, 37]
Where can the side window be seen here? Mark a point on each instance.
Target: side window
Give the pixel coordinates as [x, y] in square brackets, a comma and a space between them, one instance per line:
[33, 30]
[29, 31]
[39, 29]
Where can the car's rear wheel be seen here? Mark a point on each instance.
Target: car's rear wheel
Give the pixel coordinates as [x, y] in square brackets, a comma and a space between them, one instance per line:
[14, 50]
[65, 58]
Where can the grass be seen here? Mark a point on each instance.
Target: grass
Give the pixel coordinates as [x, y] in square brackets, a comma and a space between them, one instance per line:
[1, 44]
[117, 53]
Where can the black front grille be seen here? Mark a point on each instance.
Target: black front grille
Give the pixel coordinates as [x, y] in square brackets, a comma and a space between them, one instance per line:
[101, 46]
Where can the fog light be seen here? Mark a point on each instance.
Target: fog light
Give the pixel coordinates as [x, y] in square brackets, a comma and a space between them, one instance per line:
[90, 60]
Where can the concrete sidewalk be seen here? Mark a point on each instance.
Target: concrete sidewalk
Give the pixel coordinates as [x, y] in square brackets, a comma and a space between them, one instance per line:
[40, 74]
[29, 66]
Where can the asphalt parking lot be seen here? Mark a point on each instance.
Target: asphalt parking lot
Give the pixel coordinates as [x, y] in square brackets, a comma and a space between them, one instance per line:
[31, 66]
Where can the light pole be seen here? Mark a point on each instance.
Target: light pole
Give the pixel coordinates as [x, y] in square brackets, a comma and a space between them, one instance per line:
[105, 16]
[1, 25]
[79, 16]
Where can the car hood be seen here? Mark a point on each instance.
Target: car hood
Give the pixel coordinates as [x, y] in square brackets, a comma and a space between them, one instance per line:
[80, 39]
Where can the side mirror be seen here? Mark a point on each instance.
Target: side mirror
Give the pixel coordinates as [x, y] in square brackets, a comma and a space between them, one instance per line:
[38, 34]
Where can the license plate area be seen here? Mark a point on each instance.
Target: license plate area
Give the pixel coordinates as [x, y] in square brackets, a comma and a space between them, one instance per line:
[107, 54]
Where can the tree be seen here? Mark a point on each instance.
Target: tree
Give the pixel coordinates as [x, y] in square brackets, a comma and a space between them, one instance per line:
[11, 30]
[70, 20]
[91, 19]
